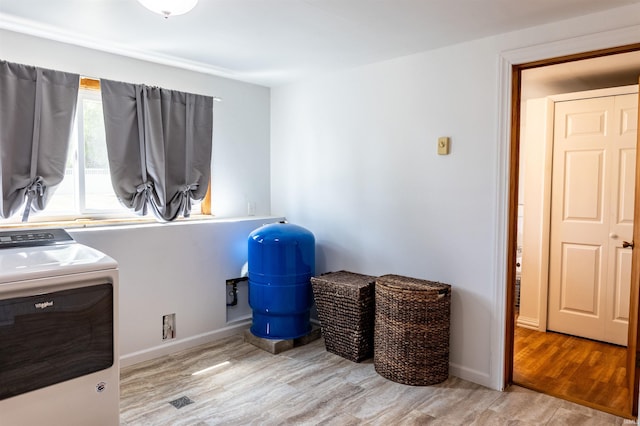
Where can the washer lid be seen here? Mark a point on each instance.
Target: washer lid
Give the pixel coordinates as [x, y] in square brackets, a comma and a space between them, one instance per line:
[28, 263]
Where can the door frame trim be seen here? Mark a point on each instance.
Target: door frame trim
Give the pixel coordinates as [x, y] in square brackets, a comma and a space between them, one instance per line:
[512, 64]
[634, 305]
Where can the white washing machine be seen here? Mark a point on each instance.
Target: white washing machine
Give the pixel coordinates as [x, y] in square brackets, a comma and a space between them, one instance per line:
[58, 331]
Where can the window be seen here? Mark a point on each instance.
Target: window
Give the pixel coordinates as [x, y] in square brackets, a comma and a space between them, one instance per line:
[86, 191]
[86, 187]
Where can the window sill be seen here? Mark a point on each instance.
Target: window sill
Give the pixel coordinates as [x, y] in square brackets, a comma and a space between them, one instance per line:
[90, 223]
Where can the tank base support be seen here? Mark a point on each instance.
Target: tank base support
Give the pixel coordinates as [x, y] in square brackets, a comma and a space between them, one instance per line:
[275, 346]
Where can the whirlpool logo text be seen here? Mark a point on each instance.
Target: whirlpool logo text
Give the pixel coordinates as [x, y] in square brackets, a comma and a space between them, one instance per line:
[43, 305]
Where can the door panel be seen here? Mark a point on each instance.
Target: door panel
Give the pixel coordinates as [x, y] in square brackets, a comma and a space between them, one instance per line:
[589, 123]
[583, 180]
[626, 186]
[580, 285]
[622, 287]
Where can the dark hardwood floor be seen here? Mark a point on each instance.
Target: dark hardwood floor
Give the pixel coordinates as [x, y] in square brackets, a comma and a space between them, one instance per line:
[580, 370]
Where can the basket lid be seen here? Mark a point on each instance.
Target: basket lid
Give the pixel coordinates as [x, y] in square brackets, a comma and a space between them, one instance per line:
[414, 284]
[345, 278]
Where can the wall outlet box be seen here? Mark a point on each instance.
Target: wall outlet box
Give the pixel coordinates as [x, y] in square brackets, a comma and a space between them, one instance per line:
[443, 145]
[168, 327]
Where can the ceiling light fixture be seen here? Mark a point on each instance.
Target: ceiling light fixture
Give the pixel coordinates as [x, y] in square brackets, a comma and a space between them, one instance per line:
[168, 8]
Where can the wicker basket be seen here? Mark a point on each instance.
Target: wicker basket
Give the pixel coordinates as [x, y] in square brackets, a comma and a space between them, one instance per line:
[411, 343]
[346, 309]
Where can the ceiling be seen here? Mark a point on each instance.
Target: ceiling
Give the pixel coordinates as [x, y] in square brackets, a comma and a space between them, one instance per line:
[271, 42]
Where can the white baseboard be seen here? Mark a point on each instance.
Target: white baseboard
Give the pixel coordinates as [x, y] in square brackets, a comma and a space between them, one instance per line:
[525, 322]
[172, 347]
[471, 375]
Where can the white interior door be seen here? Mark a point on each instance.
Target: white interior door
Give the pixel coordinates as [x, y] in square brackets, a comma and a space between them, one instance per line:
[591, 215]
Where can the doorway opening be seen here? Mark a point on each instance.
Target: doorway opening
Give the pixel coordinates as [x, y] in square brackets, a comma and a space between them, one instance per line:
[532, 352]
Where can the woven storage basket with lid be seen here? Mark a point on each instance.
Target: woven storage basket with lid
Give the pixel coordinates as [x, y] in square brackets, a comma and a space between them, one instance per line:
[411, 339]
[346, 309]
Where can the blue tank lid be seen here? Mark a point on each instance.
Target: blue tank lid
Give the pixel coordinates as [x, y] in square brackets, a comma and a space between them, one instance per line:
[281, 249]
[281, 232]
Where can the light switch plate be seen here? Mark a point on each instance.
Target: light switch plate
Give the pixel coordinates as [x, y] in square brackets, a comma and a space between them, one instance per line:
[443, 145]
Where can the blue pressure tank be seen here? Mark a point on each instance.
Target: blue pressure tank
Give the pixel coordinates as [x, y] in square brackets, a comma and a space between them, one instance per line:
[281, 264]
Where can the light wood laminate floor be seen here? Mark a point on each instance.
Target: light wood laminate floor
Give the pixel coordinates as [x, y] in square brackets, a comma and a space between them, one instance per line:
[309, 386]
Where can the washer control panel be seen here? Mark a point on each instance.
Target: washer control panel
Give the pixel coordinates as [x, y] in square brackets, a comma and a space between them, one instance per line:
[31, 238]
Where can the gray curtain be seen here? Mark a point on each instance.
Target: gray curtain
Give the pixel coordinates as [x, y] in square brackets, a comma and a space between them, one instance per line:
[159, 147]
[37, 110]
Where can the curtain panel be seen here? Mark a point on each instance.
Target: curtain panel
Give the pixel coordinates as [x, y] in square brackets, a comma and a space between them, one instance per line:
[37, 111]
[159, 147]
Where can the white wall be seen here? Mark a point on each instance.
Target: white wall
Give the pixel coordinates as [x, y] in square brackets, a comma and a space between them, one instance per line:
[383, 201]
[240, 166]
[353, 158]
[176, 268]
[536, 147]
